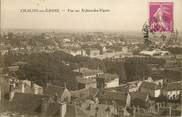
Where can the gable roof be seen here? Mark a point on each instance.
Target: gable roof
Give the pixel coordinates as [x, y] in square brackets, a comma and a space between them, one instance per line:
[52, 90]
[88, 72]
[108, 77]
[121, 88]
[86, 81]
[113, 96]
[150, 85]
[139, 99]
[89, 91]
[174, 86]
[138, 95]
[27, 103]
[74, 111]
[30, 104]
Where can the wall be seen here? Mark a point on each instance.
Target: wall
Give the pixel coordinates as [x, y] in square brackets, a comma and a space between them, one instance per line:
[157, 93]
[93, 85]
[113, 83]
[171, 93]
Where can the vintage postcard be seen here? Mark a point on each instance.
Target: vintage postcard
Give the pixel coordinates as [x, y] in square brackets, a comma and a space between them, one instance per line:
[90, 58]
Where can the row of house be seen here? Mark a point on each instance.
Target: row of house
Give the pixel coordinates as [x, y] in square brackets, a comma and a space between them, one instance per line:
[88, 78]
[149, 96]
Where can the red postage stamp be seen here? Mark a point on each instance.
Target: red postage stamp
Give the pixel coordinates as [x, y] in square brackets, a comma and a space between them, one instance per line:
[161, 16]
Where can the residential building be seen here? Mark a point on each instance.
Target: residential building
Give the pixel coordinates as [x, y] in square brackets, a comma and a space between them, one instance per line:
[155, 53]
[86, 73]
[111, 80]
[86, 83]
[153, 89]
[174, 90]
[41, 105]
[85, 93]
[156, 80]
[57, 92]
[134, 86]
[92, 52]
[108, 97]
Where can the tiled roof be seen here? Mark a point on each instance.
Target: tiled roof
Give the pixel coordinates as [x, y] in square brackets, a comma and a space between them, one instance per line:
[139, 99]
[90, 91]
[74, 111]
[86, 81]
[31, 104]
[108, 77]
[108, 95]
[157, 77]
[173, 74]
[120, 88]
[27, 103]
[13, 68]
[52, 90]
[150, 85]
[175, 69]
[174, 86]
[88, 72]
[138, 95]
[101, 109]
[20, 63]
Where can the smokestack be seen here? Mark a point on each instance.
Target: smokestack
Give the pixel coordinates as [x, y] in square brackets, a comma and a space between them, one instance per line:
[63, 109]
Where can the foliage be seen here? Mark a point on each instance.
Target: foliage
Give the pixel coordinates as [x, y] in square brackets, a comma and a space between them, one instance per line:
[58, 67]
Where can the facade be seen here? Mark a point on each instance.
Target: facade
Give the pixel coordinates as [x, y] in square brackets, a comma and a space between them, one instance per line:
[155, 53]
[86, 73]
[174, 90]
[23, 86]
[41, 105]
[112, 83]
[151, 88]
[110, 80]
[86, 83]
[76, 51]
[92, 52]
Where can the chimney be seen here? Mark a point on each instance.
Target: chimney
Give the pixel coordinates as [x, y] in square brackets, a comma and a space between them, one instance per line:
[22, 87]
[11, 90]
[63, 109]
[35, 89]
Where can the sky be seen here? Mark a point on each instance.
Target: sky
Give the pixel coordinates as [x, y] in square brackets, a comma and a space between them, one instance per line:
[124, 15]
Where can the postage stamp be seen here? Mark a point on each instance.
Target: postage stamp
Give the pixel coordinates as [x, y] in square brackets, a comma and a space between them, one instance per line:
[161, 16]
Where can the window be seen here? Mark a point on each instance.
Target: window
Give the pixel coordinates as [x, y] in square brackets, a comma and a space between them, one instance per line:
[174, 97]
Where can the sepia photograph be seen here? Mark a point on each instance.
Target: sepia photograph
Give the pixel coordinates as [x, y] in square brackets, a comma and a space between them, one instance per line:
[90, 58]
